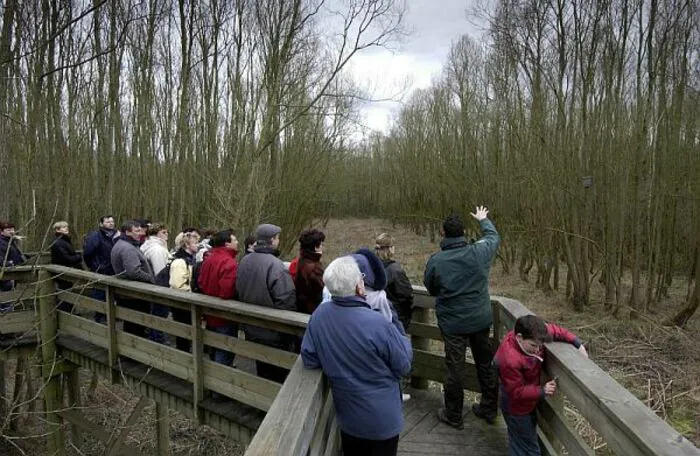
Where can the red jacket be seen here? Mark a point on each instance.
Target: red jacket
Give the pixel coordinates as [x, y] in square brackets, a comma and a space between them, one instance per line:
[218, 278]
[308, 282]
[293, 266]
[520, 372]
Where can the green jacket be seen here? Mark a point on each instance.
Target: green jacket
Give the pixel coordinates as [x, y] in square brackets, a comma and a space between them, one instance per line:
[458, 276]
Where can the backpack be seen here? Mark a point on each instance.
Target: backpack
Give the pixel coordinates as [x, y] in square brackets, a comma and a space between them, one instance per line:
[163, 277]
[194, 279]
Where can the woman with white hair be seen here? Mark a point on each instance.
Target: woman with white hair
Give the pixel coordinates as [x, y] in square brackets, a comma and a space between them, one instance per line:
[364, 355]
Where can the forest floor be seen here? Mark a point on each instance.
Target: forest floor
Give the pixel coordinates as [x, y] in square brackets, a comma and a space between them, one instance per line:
[660, 365]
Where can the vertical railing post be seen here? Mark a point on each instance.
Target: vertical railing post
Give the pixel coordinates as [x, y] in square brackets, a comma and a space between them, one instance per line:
[198, 362]
[74, 401]
[112, 345]
[48, 329]
[420, 315]
[162, 430]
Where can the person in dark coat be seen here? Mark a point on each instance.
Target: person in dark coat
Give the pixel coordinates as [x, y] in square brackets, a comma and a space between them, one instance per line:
[10, 255]
[129, 263]
[398, 287]
[265, 281]
[308, 280]
[97, 249]
[458, 276]
[63, 253]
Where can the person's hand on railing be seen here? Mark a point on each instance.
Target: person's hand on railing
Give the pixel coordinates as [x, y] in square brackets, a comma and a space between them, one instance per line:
[583, 351]
[550, 388]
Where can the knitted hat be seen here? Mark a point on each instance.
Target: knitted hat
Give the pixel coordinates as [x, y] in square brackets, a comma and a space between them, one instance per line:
[267, 231]
[372, 267]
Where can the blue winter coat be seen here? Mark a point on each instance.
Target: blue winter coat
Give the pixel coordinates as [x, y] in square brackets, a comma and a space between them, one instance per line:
[364, 356]
[97, 251]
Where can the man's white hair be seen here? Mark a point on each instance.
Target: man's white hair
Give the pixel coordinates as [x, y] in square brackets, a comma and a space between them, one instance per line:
[342, 276]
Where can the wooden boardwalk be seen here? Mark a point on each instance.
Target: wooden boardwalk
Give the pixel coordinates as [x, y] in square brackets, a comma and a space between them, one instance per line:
[423, 434]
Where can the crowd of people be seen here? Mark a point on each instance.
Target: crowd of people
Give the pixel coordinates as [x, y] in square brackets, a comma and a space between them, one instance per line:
[360, 306]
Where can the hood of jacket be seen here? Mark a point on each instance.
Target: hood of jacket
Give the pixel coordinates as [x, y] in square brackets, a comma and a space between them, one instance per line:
[153, 243]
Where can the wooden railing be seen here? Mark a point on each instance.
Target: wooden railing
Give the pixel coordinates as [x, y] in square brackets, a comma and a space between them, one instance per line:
[301, 419]
[627, 425]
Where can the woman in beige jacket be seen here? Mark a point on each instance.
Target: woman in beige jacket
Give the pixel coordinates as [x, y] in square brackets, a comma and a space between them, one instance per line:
[180, 279]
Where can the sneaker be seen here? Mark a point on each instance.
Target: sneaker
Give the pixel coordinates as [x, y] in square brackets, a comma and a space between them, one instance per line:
[405, 397]
[480, 412]
[442, 416]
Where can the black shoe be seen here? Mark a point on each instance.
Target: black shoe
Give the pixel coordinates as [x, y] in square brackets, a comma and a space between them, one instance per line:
[442, 416]
[480, 412]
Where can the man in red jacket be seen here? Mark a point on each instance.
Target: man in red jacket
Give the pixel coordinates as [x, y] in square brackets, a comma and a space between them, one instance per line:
[218, 278]
[519, 360]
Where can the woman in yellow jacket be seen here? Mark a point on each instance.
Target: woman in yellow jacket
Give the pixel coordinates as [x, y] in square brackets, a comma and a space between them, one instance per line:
[180, 279]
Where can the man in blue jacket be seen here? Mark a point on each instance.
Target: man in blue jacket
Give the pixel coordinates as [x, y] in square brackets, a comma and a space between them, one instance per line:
[97, 250]
[458, 276]
[364, 357]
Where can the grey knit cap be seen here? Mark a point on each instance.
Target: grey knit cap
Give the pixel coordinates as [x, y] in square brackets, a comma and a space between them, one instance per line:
[267, 231]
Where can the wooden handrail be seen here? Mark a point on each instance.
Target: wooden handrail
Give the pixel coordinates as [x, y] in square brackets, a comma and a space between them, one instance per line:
[625, 423]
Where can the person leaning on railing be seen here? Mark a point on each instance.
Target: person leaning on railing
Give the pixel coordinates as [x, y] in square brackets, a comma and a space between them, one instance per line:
[63, 253]
[364, 355]
[519, 361]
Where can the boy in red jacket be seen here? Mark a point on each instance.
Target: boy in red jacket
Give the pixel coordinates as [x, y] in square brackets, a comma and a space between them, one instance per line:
[519, 360]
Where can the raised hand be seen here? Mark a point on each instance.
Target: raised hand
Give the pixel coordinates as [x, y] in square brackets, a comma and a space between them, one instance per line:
[550, 388]
[481, 213]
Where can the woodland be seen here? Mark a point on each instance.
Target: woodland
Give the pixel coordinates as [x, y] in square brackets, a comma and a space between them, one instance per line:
[577, 122]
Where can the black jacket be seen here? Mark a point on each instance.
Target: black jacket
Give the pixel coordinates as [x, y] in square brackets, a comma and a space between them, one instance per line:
[63, 253]
[10, 254]
[398, 289]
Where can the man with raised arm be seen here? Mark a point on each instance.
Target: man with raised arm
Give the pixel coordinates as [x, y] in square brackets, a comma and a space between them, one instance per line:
[458, 276]
[364, 355]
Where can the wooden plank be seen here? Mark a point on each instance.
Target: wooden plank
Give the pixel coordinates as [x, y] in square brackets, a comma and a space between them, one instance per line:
[281, 320]
[558, 425]
[241, 386]
[23, 274]
[301, 396]
[20, 321]
[420, 316]
[197, 336]
[162, 430]
[115, 444]
[425, 331]
[319, 440]
[545, 446]
[74, 402]
[333, 445]
[154, 322]
[111, 321]
[84, 302]
[251, 350]
[18, 294]
[48, 328]
[83, 328]
[432, 367]
[627, 425]
[78, 419]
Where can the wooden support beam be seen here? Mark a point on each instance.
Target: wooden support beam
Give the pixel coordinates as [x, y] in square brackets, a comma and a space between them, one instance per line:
[162, 430]
[112, 346]
[3, 406]
[95, 430]
[116, 441]
[198, 363]
[48, 326]
[420, 316]
[74, 402]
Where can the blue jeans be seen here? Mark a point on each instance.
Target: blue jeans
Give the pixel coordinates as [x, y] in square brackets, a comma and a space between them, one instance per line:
[99, 295]
[159, 310]
[522, 435]
[223, 356]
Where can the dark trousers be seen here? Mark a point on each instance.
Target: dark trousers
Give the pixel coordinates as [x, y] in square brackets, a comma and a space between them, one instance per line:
[138, 305]
[522, 435]
[355, 446]
[455, 351]
[182, 316]
[100, 295]
[271, 372]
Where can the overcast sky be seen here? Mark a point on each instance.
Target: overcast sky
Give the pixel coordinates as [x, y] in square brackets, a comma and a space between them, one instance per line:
[434, 25]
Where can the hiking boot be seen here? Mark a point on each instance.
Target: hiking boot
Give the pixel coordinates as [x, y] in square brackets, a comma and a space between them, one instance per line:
[480, 412]
[442, 416]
